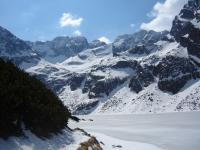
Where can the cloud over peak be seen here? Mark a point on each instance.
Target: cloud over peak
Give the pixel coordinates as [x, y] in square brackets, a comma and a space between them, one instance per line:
[104, 39]
[163, 15]
[68, 19]
[77, 33]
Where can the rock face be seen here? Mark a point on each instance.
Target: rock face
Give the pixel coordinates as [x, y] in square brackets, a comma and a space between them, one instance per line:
[16, 50]
[173, 73]
[141, 79]
[186, 27]
[139, 49]
[103, 88]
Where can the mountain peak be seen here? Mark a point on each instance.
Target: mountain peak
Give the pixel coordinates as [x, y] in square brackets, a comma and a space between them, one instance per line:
[186, 27]
[142, 37]
[13, 48]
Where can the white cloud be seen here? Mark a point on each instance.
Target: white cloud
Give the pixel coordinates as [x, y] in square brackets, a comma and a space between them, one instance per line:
[104, 39]
[163, 15]
[132, 25]
[77, 33]
[68, 19]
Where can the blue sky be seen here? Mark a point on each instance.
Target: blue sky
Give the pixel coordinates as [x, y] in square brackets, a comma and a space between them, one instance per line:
[45, 19]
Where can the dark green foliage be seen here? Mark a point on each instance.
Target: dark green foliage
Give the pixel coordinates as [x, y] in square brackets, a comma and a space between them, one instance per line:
[25, 100]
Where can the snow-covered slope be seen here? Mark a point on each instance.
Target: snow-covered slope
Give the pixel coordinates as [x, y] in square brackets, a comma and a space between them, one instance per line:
[153, 100]
[68, 140]
[88, 58]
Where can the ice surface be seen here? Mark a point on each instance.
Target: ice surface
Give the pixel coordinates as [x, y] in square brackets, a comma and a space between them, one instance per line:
[169, 131]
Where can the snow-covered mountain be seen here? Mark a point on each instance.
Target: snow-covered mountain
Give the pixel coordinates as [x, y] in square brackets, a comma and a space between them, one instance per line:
[17, 50]
[146, 71]
[142, 42]
[63, 47]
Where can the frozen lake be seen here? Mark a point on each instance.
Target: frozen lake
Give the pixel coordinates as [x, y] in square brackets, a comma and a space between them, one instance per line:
[170, 131]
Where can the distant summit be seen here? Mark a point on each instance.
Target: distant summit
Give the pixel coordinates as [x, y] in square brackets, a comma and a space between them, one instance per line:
[63, 47]
[16, 50]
